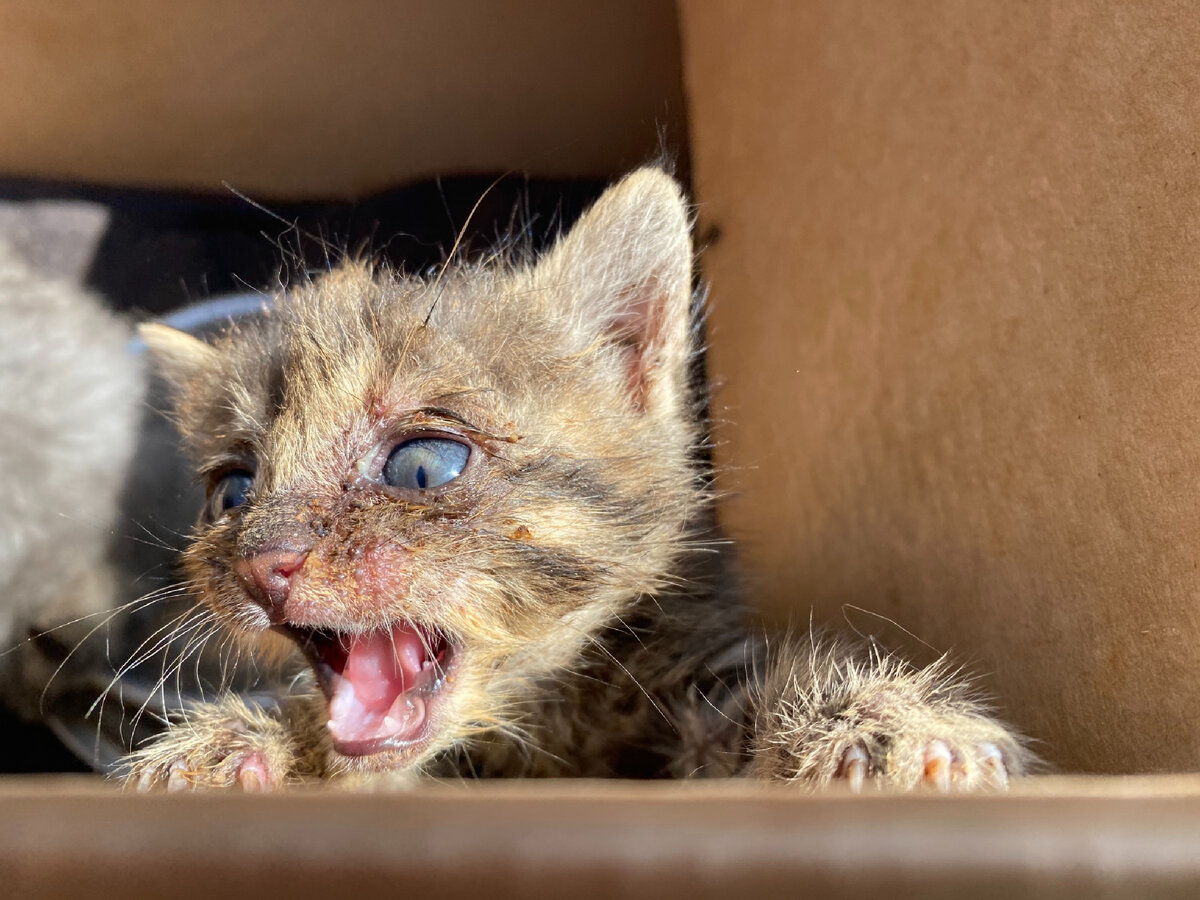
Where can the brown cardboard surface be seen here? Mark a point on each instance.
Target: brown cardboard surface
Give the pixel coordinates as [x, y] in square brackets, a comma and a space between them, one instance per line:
[303, 98]
[955, 317]
[1093, 838]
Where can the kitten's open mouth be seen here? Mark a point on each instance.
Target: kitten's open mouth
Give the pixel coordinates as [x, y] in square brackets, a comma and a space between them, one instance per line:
[380, 686]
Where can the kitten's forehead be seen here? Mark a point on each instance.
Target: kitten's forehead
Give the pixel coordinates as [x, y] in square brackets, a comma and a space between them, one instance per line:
[357, 339]
[587, 342]
[337, 363]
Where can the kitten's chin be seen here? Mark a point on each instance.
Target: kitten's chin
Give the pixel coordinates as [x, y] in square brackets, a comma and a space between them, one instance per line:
[384, 689]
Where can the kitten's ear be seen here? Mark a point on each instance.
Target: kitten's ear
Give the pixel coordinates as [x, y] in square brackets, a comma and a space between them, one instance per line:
[178, 356]
[626, 269]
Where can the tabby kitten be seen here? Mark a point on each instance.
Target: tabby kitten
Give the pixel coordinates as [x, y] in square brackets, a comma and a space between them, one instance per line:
[472, 504]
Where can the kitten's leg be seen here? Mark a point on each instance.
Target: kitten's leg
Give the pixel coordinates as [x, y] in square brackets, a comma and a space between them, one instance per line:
[826, 714]
[231, 744]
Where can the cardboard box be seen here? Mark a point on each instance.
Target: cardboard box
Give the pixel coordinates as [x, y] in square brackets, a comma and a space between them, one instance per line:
[956, 338]
[952, 256]
[300, 98]
[1050, 839]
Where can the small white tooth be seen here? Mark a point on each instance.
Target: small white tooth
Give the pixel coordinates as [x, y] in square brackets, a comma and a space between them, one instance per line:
[406, 714]
[418, 712]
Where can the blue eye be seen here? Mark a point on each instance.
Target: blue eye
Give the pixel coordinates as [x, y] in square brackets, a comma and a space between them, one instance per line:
[425, 463]
[230, 492]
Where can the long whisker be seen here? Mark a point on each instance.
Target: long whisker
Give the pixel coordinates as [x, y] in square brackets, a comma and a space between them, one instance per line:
[462, 233]
[136, 605]
[157, 641]
[118, 682]
[193, 645]
[133, 606]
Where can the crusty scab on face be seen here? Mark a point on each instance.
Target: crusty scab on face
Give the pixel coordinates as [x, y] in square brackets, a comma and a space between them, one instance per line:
[567, 380]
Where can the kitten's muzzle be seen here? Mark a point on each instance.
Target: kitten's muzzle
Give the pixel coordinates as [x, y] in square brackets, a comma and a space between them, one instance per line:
[267, 578]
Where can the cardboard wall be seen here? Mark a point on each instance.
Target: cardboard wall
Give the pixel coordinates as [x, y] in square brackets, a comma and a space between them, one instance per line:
[956, 317]
[591, 840]
[301, 98]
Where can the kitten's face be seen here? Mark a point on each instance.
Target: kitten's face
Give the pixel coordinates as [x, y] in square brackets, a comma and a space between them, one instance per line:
[441, 507]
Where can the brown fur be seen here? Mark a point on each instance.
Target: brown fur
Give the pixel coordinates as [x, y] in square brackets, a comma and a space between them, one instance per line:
[573, 565]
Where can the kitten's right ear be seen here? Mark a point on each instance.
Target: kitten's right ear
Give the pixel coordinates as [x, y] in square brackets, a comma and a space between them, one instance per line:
[178, 356]
[624, 273]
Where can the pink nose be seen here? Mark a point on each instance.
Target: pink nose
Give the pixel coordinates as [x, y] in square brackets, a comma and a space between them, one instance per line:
[267, 577]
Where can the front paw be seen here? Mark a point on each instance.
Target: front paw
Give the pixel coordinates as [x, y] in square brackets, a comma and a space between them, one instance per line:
[227, 745]
[934, 764]
[832, 717]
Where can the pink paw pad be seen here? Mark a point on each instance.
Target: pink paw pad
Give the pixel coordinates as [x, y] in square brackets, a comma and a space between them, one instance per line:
[254, 775]
[250, 774]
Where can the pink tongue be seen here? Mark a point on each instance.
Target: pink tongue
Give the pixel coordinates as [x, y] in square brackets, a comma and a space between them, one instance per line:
[369, 701]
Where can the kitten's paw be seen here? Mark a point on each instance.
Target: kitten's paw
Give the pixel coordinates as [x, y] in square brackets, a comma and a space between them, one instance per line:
[215, 747]
[250, 772]
[831, 717]
[945, 767]
[937, 765]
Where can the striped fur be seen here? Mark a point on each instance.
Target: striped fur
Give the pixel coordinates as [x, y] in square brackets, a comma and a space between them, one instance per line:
[576, 563]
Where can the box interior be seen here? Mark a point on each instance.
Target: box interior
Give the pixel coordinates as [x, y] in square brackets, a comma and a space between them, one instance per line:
[952, 332]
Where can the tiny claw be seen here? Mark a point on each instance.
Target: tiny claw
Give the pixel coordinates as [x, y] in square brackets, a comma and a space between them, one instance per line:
[938, 761]
[991, 764]
[177, 779]
[853, 767]
[958, 769]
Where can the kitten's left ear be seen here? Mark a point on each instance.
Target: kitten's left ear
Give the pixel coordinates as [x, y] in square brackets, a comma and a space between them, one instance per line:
[178, 356]
[626, 269]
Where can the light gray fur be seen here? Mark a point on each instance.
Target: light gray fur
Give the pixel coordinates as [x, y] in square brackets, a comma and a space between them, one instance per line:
[70, 395]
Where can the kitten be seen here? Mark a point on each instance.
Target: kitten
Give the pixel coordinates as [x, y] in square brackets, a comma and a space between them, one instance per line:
[473, 504]
[70, 396]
